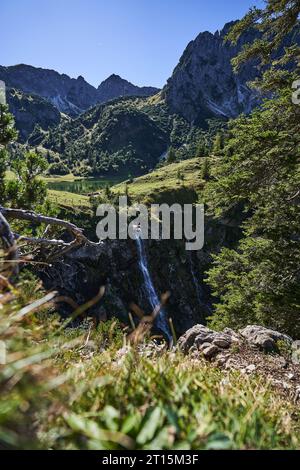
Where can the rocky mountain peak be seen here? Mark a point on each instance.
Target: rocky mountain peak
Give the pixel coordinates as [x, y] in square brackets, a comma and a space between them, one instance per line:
[70, 96]
[113, 77]
[115, 86]
[203, 84]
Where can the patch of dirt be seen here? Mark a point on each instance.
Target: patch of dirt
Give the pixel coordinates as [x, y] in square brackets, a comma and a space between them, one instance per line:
[280, 372]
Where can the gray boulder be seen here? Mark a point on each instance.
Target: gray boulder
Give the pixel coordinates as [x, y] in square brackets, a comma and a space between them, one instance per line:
[188, 340]
[264, 338]
[203, 339]
[210, 352]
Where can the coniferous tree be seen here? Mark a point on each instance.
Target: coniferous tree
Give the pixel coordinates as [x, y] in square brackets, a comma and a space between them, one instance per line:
[218, 144]
[28, 191]
[202, 149]
[107, 191]
[206, 169]
[7, 134]
[171, 158]
[259, 282]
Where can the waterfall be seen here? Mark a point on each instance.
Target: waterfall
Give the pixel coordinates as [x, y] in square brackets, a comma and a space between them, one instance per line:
[199, 290]
[161, 320]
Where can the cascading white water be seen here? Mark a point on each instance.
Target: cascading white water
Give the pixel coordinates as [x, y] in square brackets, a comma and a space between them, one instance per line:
[161, 320]
[199, 290]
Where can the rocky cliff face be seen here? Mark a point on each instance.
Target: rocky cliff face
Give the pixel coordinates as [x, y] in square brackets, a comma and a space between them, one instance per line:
[203, 84]
[115, 264]
[31, 110]
[69, 95]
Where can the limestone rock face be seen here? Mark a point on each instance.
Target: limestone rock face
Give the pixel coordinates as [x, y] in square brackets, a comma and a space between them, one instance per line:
[204, 85]
[69, 95]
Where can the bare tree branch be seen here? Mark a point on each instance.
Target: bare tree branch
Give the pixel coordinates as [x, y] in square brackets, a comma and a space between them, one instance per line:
[43, 241]
[30, 216]
[146, 321]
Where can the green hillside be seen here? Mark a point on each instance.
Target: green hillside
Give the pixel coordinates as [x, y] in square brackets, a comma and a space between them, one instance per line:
[125, 137]
[177, 182]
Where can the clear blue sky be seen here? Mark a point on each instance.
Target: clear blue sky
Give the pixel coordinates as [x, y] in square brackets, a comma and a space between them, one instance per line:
[141, 40]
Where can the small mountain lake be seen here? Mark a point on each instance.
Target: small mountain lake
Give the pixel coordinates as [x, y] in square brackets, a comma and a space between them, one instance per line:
[83, 186]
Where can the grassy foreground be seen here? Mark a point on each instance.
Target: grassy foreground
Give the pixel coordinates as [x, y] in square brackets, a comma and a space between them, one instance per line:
[79, 389]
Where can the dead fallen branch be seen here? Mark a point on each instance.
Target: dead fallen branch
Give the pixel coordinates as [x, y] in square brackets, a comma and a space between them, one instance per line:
[66, 300]
[20, 214]
[41, 241]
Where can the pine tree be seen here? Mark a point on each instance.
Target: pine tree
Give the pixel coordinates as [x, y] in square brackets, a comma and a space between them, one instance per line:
[107, 191]
[7, 134]
[206, 169]
[202, 149]
[171, 158]
[259, 282]
[218, 144]
[62, 145]
[28, 191]
[278, 19]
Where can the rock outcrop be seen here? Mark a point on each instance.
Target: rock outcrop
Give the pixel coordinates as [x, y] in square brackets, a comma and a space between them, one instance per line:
[248, 352]
[265, 339]
[210, 343]
[280, 372]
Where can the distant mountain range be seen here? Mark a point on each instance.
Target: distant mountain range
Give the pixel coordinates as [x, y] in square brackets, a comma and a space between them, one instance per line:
[106, 133]
[69, 95]
[42, 97]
